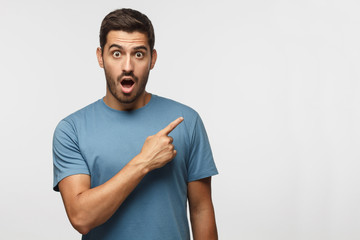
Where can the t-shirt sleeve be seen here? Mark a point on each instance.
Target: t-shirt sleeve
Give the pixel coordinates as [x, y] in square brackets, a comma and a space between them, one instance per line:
[67, 158]
[201, 162]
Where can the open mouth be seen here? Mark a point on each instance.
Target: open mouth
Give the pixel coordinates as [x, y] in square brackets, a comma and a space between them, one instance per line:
[127, 83]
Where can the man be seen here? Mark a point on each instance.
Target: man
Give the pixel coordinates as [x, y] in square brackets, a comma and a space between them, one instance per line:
[123, 171]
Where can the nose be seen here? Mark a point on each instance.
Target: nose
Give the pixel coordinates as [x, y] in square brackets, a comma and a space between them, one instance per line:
[128, 64]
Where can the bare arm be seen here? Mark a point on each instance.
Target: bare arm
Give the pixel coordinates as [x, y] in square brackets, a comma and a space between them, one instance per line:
[202, 214]
[90, 207]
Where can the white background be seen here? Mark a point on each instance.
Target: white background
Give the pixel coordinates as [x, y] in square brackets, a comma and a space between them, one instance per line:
[276, 83]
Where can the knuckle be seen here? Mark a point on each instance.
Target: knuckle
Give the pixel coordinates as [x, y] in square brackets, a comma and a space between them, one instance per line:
[164, 140]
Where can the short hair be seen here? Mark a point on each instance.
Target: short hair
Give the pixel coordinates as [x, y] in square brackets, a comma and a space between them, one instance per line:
[127, 20]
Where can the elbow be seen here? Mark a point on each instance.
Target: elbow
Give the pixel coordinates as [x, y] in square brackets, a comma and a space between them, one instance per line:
[80, 224]
[82, 229]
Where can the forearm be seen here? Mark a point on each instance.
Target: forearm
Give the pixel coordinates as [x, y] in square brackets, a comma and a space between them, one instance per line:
[203, 223]
[95, 206]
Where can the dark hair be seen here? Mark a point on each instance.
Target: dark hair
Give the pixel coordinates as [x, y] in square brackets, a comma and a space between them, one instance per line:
[127, 20]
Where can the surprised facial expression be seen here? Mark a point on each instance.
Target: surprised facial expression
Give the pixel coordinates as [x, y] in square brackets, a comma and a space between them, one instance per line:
[127, 61]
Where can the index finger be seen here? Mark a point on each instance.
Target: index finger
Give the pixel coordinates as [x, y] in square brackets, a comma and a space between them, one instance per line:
[171, 126]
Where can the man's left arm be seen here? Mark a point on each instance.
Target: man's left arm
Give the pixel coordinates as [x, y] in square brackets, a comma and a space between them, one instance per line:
[202, 214]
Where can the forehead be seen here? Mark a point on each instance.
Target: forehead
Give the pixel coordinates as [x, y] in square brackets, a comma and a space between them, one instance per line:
[126, 39]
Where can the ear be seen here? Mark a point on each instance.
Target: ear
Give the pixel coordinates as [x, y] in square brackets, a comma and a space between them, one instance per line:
[153, 59]
[99, 57]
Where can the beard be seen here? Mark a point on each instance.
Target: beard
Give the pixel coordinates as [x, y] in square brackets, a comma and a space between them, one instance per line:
[125, 98]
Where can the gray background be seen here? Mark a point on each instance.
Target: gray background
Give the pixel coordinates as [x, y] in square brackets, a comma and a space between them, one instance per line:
[276, 83]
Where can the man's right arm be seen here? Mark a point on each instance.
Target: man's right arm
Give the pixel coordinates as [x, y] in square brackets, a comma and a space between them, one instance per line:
[90, 207]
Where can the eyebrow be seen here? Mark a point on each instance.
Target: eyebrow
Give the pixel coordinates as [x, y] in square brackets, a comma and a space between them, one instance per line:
[116, 46]
[142, 47]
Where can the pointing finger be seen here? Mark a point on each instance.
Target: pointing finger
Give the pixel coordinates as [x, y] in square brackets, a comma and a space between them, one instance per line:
[171, 126]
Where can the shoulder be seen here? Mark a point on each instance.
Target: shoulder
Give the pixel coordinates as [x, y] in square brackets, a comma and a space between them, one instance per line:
[176, 109]
[70, 122]
[83, 112]
[176, 106]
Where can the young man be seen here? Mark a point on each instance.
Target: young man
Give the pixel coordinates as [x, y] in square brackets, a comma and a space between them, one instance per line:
[123, 171]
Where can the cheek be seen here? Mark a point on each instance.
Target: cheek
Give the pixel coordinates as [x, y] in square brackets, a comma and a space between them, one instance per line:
[112, 70]
[144, 68]
[111, 76]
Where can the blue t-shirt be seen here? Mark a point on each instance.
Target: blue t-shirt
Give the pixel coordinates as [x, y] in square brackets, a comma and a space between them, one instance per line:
[99, 141]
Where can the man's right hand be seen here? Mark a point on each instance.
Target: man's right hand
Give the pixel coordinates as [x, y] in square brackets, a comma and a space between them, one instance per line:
[158, 149]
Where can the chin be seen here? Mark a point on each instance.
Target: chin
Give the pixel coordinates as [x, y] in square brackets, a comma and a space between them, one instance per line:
[127, 99]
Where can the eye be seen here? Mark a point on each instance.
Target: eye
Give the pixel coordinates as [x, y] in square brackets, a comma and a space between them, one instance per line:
[139, 55]
[117, 54]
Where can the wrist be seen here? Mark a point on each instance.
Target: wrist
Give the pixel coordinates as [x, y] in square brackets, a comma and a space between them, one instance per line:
[140, 164]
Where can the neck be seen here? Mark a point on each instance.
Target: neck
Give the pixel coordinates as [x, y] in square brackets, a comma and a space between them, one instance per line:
[114, 103]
